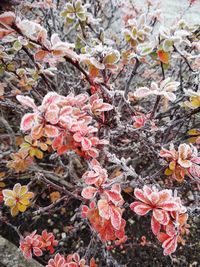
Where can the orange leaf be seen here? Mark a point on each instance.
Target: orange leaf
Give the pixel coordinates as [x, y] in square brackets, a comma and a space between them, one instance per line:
[93, 263]
[128, 189]
[40, 55]
[163, 56]
[54, 196]
[37, 131]
[7, 18]
[94, 72]
[4, 32]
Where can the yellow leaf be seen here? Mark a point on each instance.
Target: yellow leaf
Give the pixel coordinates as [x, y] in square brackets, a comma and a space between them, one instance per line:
[2, 184]
[43, 146]
[168, 172]
[21, 207]
[32, 152]
[10, 202]
[14, 211]
[29, 195]
[49, 142]
[10, 67]
[172, 165]
[25, 145]
[192, 140]
[8, 193]
[38, 154]
[195, 101]
[193, 132]
[24, 201]
[24, 190]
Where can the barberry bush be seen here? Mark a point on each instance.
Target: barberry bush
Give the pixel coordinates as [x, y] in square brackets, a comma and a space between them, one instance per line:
[100, 132]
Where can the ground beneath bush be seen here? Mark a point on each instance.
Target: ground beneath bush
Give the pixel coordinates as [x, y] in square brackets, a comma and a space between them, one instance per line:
[10, 256]
[74, 235]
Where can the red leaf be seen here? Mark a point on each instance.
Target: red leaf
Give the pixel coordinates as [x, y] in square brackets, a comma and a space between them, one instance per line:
[104, 209]
[52, 113]
[113, 196]
[27, 101]
[162, 237]
[72, 264]
[169, 206]
[170, 245]
[161, 216]
[140, 208]
[78, 137]
[27, 121]
[116, 217]
[51, 97]
[76, 257]
[63, 149]
[37, 251]
[155, 226]
[92, 152]
[88, 192]
[195, 170]
[164, 195]
[139, 194]
[86, 143]
[154, 198]
[57, 142]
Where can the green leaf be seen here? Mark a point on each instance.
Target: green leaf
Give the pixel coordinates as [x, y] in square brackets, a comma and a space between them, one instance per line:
[17, 45]
[64, 13]
[166, 66]
[78, 6]
[69, 21]
[78, 44]
[10, 67]
[81, 16]
[154, 55]
[69, 8]
[2, 70]
[112, 58]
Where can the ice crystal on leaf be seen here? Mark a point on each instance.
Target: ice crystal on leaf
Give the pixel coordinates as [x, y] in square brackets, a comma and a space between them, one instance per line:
[183, 162]
[168, 215]
[165, 89]
[17, 199]
[35, 244]
[103, 226]
[66, 121]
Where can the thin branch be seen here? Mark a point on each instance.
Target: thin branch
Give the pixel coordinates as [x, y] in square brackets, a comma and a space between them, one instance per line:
[137, 63]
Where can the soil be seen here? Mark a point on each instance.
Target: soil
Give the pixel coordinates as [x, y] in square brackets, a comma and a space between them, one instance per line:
[74, 235]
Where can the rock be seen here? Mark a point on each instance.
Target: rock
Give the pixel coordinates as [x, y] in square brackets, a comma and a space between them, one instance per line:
[131, 221]
[12, 257]
[190, 196]
[63, 235]
[55, 231]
